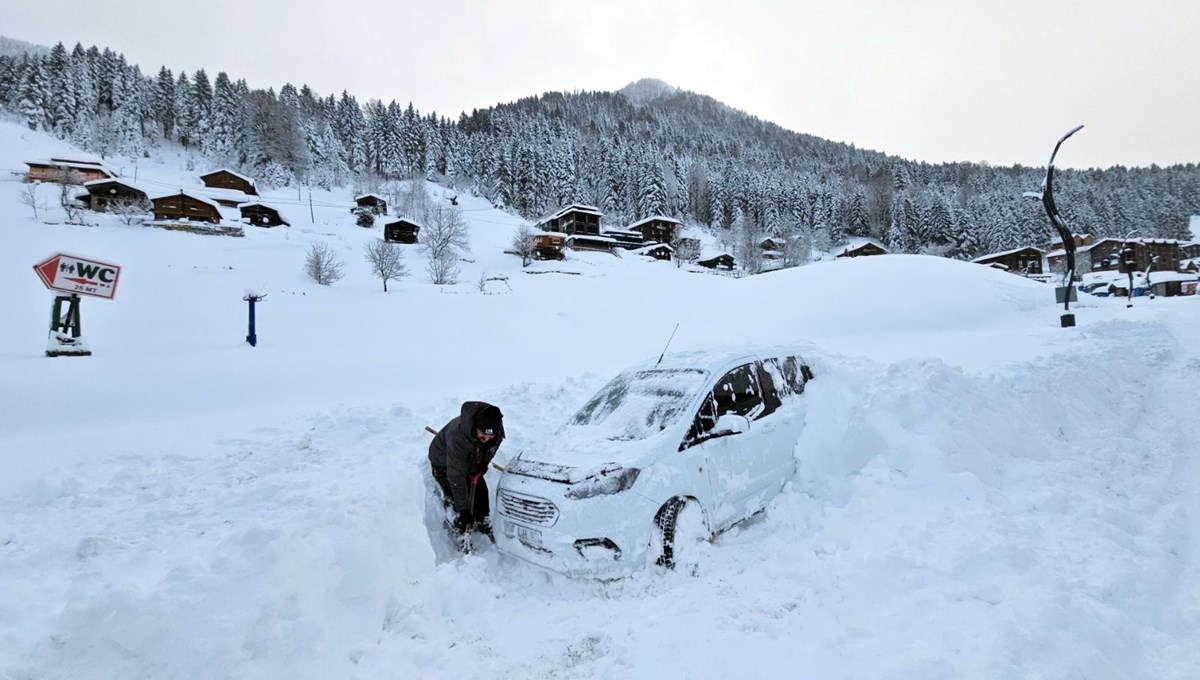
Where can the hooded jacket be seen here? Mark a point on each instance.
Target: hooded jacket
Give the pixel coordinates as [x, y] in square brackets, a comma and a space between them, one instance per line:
[456, 449]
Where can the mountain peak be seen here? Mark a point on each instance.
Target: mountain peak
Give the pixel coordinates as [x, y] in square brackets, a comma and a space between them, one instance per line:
[647, 89]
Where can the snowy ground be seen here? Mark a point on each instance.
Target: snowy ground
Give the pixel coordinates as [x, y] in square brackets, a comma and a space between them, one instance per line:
[981, 493]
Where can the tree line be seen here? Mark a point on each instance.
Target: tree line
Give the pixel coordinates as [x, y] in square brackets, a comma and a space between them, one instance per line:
[677, 154]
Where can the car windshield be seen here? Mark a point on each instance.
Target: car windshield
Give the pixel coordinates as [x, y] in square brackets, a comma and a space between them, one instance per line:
[638, 404]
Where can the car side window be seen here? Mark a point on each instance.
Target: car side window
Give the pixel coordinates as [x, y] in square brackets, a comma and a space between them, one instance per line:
[770, 396]
[738, 392]
[702, 424]
[790, 374]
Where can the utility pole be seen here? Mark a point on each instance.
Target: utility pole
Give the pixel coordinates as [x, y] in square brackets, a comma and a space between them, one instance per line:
[311, 217]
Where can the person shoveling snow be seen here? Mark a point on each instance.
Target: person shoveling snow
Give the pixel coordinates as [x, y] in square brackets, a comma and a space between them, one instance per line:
[459, 456]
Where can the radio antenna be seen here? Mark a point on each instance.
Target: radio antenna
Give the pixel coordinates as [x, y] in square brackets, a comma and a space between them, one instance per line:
[664, 352]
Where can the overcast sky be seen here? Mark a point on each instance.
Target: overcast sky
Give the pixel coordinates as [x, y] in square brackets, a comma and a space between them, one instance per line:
[994, 81]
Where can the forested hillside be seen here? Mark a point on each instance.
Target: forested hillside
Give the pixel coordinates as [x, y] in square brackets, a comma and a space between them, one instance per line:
[647, 149]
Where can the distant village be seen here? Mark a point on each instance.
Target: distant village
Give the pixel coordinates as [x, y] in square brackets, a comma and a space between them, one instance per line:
[1104, 266]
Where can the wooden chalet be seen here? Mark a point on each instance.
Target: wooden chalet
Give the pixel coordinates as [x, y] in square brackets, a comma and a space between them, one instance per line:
[105, 194]
[1190, 250]
[261, 215]
[1155, 254]
[723, 261]
[772, 248]
[228, 179]
[185, 206]
[658, 251]
[372, 203]
[657, 229]
[863, 250]
[573, 219]
[1025, 261]
[58, 169]
[402, 230]
[548, 246]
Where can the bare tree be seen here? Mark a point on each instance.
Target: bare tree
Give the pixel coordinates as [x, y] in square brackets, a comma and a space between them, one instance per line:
[130, 210]
[68, 182]
[386, 260]
[29, 197]
[322, 264]
[686, 250]
[442, 239]
[525, 243]
[412, 200]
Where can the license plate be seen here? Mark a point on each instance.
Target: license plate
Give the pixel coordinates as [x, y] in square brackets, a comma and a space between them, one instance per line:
[530, 537]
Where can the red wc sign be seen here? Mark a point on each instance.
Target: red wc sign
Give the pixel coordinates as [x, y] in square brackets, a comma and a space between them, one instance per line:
[81, 276]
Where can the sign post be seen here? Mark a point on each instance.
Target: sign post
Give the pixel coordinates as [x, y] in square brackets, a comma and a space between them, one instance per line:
[73, 276]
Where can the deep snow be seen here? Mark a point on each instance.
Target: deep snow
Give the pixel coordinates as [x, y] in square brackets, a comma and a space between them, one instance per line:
[981, 494]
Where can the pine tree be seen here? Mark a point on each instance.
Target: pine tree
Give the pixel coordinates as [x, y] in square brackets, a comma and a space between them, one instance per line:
[33, 96]
[164, 101]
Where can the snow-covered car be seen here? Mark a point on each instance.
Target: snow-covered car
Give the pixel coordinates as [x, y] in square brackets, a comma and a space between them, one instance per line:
[668, 453]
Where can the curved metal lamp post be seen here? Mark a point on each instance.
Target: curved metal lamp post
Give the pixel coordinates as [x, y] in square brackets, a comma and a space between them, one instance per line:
[1065, 293]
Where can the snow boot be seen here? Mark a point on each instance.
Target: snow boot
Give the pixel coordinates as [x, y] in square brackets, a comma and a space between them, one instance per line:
[484, 526]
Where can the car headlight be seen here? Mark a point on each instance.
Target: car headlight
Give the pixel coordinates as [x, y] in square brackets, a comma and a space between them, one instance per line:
[607, 482]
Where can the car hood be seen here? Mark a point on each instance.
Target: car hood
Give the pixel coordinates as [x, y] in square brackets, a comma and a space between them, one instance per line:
[573, 455]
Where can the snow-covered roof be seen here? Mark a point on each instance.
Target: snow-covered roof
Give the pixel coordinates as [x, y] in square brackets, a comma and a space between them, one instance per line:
[67, 163]
[261, 204]
[653, 218]
[374, 196]
[1008, 252]
[591, 237]
[1163, 277]
[1143, 241]
[112, 180]
[645, 250]
[235, 174]
[578, 207]
[190, 194]
[409, 220]
[860, 241]
[231, 195]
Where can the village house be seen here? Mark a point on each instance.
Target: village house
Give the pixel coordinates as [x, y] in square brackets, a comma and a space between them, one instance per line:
[261, 215]
[581, 224]
[402, 230]
[548, 245]
[721, 261]
[185, 206]
[658, 251]
[228, 179]
[74, 171]
[1024, 261]
[103, 195]
[657, 229]
[863, 249]
[1105, 255]
[372, 203]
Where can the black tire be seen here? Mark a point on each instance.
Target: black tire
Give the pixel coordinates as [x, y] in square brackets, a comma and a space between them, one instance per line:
[667, 537]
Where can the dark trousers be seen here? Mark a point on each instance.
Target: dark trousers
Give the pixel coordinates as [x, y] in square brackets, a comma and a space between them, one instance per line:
[482, 509]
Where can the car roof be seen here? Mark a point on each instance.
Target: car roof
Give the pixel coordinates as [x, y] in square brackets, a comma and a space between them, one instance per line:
[713, 360]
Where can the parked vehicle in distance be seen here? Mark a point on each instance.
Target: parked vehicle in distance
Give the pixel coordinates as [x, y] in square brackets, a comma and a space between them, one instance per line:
[667, 453]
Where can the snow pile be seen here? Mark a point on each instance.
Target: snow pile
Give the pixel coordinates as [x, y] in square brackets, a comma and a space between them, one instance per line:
[980, 493]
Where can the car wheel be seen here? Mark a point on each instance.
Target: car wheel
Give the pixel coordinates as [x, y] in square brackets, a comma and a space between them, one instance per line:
[680, 530]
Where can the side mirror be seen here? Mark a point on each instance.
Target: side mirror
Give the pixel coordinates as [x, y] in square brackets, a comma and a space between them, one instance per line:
[731, 423]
